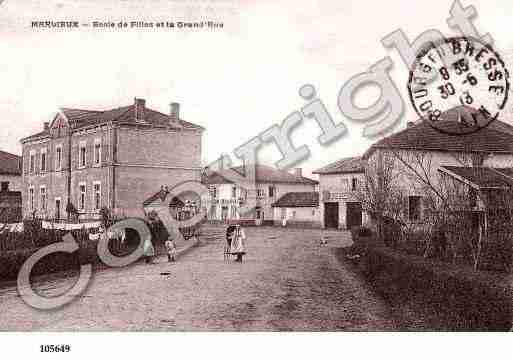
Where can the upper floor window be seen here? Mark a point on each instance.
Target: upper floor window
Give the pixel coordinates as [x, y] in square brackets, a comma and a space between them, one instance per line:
[32, 165]
[97, 152]
[82, 196]
[82, 152]
[43, 160]
[354, 184]
[5, 186]
[234, 192]
[345, 184]
[58, 158]
[260, 193]
[414, 208]
[213, 192]
[272, 189]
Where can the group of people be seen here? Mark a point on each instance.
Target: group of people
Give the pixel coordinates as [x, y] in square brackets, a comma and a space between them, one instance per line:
[236, 242]
[158, 232]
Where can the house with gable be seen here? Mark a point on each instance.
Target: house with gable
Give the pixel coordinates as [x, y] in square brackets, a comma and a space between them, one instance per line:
[90, 159]
[425, 159]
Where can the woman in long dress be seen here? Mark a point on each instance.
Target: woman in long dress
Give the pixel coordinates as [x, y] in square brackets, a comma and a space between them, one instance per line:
[238, 245]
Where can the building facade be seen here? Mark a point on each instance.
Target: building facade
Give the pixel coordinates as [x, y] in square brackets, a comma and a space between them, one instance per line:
[297, 209]
[425, 161]
[88, 159]
[225, 198]
[339, 183]
[10, 187]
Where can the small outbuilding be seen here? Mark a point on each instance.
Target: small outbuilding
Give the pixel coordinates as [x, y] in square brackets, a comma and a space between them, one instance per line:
[297, 209]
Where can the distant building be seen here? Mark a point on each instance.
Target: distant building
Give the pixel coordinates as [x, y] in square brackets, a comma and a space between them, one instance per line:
[226, 198]
[10, 187]
[339, 183]
[10, 172]
[114, 159]
[298, 209]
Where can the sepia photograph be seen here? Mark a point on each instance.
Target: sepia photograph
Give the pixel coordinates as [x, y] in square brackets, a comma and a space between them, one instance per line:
[218, 167]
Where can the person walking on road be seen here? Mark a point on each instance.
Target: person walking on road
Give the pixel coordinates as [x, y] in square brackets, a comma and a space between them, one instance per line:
[238, 243]
[171, 249]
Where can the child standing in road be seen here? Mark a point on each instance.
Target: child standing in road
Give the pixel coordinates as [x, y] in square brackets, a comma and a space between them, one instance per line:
[171, 249]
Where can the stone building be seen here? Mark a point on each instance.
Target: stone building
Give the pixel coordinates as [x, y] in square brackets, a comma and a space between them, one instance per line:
[10, 187]
[339, 183]
[226, 198]
[114, 159]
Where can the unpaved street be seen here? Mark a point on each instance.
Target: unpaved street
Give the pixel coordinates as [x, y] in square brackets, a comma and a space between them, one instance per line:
[287, 282]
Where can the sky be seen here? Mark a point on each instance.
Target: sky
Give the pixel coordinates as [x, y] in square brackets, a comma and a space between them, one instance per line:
[236, 81]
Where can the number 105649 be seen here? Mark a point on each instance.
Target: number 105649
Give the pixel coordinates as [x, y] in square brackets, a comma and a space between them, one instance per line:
[62, 348]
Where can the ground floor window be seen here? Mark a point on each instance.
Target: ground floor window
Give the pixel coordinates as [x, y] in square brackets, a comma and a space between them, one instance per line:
[82, 196]
[97, 195]
[414, 208]
[43, 198]
[31, 199]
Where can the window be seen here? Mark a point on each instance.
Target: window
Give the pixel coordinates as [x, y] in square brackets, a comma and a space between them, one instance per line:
[354, 184]
[97, 195]
[5, 186]
[213, 192]
[345, 184]
[58, 158]
[293, 214]
[260, 193]
[82, 196]
[32, 165]
[414, 208]
[42, 191]
[233, 214]
[234, 192]
[31, 199]
[271, 191]
[43, 160]
[82, 155]
[97, 152]
[57, 208]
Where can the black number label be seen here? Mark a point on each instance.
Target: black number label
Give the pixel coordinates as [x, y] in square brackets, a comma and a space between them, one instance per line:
[446, 90]
[61, 348]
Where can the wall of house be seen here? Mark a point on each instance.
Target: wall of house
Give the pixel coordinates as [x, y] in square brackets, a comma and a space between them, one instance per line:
[340, 191]
[224, 198]
[297, 216]
[15, 182]
[145, 159]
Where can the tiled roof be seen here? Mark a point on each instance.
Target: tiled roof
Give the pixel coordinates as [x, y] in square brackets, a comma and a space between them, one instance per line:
[483, 177]
[298, 199]
[344, 165]
[162, 195]
[79, 118]
[263, 174]
[10, 164]
[422, 136]
[496, 137]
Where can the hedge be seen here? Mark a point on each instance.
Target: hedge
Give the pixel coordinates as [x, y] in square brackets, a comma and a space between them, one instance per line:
[467, 299]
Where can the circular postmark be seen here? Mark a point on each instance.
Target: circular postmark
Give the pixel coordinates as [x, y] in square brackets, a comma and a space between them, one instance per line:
[458, 85]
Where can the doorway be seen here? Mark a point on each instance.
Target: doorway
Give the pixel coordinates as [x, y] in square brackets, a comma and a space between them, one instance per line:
[331, 214]
[353, 215]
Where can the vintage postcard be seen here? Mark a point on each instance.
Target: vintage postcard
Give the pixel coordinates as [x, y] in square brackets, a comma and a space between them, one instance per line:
[254, 166]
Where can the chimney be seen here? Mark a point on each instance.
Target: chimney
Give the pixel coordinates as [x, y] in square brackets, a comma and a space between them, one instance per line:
[46, 126]
[298, 172]
[140, 106]
[174, 112]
